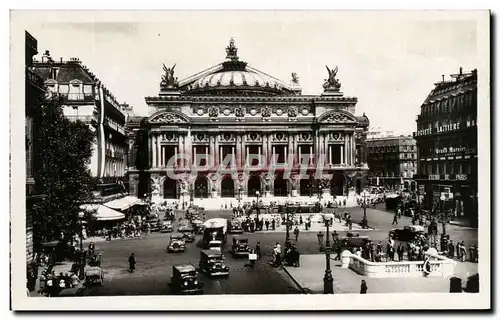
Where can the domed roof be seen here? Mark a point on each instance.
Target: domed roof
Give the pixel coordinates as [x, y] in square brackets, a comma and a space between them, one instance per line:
[235, 77]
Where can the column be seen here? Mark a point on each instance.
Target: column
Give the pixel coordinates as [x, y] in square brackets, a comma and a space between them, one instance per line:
[353, 149]
[232, 156]
[158, 150]
[259, 151]
[243, 152]
[325, 141]
[321, 146]
[153, 147]
[238, 150]
[330, 154]
[187, 147]
[300, 156]
[163, 154]
[195, 161]
[176, 152]
[296, 147]
[341, 154]
[264, 147]
[289, 149]
[346, 150]
[274, 152]
[216, 151]
[310, 155]
[206, 155]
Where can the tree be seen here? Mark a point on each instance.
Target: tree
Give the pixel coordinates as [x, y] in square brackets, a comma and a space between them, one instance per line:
[63, 150]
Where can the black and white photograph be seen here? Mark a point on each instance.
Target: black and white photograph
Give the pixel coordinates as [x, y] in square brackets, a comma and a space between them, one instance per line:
[250, 160]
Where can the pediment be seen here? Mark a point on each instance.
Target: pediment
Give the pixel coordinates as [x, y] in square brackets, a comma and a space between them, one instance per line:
[337, 117]
[168, 117]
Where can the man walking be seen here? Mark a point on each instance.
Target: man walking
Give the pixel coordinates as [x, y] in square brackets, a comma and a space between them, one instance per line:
[296, 233]
[395, 219]
[131, 262]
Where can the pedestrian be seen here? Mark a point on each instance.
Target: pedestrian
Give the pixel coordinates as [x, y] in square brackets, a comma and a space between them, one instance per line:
[345, 202]
[296, 233]
[300, 220]
[267, 225]
[364, 287]
[463, 251]
[273, 224]
[257, 250]
[459, 251]
[131, 262]
[395, 219]
[451, 250]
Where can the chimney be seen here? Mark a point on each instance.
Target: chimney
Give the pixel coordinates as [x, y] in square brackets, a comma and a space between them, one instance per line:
[61, 60]
[461, 70]
[442, 76]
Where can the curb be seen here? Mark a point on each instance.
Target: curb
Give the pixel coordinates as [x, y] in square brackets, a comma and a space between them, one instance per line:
[304, 290]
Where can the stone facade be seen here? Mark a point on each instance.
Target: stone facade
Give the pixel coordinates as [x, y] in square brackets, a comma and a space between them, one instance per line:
[239, 131]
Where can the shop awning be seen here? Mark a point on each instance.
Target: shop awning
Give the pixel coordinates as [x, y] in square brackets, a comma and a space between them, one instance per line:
[104, 214]
[123, 203]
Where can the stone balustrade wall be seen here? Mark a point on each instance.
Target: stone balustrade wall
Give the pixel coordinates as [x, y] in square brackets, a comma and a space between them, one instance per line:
[440, 266]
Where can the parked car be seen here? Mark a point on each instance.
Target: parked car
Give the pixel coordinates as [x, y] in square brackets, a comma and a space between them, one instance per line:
[167, 226]
[240, 246]
[408, 233]
[212, 263]
[235, 227]
[155, 224]
[177, 244]
[184, 280]
[189, 234]
[351, 241]
[186, 227]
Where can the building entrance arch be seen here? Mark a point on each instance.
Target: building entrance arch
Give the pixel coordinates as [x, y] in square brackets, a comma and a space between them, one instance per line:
[201, 187]
[169, 188]
[227, 187]
[253, 185]
[337, 184]
[280, 187]
[306, 187]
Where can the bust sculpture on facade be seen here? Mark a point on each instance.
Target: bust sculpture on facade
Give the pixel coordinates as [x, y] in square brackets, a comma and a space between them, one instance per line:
[332, 83]
[295, 78]
[168, 81]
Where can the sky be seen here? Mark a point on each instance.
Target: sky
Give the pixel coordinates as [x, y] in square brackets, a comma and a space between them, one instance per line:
[388, 60]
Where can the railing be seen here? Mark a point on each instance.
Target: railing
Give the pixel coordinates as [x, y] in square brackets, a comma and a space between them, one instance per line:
[440, 266]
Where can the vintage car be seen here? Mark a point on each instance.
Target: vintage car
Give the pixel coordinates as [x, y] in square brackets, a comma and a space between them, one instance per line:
[94, 274]
[240, 246]
[212, 263]
[177, 244]
[235, 226]
[215, 245]
[185, 227]
[408, 233]
[166, 226]
[189, 234]
[185, 281]
[351, 241]
[154, 224]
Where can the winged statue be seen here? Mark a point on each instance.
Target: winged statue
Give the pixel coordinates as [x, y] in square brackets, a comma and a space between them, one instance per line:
[332, 82]
[168, 80]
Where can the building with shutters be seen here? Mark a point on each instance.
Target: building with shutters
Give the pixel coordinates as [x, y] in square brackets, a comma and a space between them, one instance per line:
[447, 146]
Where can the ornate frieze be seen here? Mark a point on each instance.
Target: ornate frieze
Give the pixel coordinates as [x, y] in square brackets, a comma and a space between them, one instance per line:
[305, 137]
[336, 136]
[213, 112]
[226, 137]
[169, 137]
[253, 137]
[292, 112]
[200, 137]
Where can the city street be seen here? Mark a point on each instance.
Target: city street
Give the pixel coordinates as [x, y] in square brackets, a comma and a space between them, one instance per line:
[154, 264]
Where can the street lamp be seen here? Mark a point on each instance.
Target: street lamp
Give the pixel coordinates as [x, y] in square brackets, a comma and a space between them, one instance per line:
[257, 193]
[364, 195]
[239, 197]
[287, 225]
[328, 279]
[82, 255]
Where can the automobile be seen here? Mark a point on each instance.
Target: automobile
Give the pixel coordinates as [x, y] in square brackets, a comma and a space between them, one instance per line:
[185, 227]
[189, 234]
[240, 246]
[408, 233]
[166, 226]
[177, 244]
[351, 241]
[155, 224]
[185, 281]
[235, 227]
[215, 245]
[212, 263]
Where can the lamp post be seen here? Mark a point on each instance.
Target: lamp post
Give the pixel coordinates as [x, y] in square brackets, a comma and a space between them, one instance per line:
[82, 255]
[364, 195]
[239, 197]
[287, 225]
[257, 193]
[328, 279]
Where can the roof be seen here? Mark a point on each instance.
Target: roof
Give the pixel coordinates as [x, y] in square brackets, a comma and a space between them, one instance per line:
[211, 253]
[185, 267]
[215, 223]
[234, 75]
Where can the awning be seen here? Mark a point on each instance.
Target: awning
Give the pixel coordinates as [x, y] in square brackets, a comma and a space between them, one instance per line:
[104, 214]
[123, 203]
[89, 207]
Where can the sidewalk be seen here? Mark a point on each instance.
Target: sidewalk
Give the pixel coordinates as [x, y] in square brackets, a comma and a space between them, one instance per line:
[316, 227]
[309, 277]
